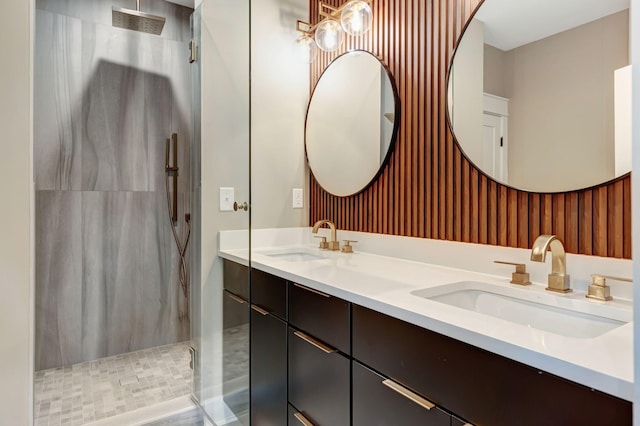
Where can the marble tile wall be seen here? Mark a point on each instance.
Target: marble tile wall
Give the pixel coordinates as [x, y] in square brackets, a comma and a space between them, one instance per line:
[105, 101]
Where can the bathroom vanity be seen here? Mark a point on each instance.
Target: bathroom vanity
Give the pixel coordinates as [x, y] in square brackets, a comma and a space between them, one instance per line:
[362, 339]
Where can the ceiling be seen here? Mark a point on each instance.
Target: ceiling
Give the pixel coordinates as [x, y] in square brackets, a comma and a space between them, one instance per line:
[513, 23]
[188, 3]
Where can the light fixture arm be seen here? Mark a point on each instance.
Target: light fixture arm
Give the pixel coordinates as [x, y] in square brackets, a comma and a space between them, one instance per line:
[333, 13]
[329, 15]
[305, 27]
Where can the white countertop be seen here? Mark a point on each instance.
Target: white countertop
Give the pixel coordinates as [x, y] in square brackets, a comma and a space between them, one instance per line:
[385, 284]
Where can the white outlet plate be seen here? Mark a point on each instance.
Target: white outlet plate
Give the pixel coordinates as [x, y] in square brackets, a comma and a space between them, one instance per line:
[226, 199]
[298, 198]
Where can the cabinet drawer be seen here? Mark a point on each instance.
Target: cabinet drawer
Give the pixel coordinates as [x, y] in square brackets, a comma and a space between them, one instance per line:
[477, 385]
[376, 404]
[324, 317]
[319, 382]
[269, 292]
[297, 418]
[268, 369]
[235, 310]
[458, 422]
[236, 278]
[235, 352]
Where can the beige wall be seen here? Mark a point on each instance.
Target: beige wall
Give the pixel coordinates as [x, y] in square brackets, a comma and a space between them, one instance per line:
[561, 103]
[279, 96]
[15, 214]
[496, 71]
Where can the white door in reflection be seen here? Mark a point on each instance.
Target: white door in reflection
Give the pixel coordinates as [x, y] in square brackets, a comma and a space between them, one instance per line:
[494, 146]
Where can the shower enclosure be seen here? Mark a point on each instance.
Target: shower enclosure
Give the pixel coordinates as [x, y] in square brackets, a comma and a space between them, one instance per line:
[221, 159]
[109, 276]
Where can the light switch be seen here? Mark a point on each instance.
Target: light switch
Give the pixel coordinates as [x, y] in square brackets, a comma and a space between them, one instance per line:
[298, 198]
[227, 198]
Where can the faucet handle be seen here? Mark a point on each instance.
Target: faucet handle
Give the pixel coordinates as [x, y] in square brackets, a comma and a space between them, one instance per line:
[599, 289]
[347, 247]
[520, 276]
[323, 243]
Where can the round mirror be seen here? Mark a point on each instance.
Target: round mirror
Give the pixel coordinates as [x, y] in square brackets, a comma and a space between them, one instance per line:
[540, 93]
[352, 123]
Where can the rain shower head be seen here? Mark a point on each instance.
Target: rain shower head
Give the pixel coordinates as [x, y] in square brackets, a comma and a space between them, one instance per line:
[136, 20]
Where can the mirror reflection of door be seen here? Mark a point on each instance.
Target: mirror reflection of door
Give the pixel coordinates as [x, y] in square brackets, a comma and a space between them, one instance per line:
[493, 147]
[495, 135]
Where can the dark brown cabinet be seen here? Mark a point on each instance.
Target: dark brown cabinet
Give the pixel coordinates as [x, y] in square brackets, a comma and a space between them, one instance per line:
[319, 380]
[268, 349]
[379, 401]
[268, 369]
[320, 315]
[236, 278]
[297, 418]
[457, 422]
[235, 350]
[475, 384]
[269, 292]
[319, 360]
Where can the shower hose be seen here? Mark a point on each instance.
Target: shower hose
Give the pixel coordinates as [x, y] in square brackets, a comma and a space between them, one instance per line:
[183, 271]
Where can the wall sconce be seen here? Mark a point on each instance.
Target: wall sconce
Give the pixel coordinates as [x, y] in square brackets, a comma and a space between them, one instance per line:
[353, 17]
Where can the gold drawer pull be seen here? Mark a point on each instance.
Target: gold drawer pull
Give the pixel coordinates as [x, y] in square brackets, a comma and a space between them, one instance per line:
[259, 310]
[311, 290]
[324, 348]
[302, 419]
[236, 298]
[424, 403]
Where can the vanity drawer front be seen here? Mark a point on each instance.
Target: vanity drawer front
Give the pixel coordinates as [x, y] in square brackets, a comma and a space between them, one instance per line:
[319, 382]
[268, 369]
[236, 278]
[376, 404]
[475, 384]
[322, 316]
[269, 292]
[297, 418]
[457, 422]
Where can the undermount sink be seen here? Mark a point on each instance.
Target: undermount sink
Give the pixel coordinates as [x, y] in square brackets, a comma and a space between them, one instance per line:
[296, 255]
[568, 317]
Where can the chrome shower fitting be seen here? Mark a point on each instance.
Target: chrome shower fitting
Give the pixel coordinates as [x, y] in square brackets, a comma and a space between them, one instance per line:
[136, 20]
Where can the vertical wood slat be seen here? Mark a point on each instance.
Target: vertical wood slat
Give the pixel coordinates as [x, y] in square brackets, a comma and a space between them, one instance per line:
[429, 189]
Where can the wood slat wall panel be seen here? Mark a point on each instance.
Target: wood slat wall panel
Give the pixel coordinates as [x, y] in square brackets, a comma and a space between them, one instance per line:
[429, 189]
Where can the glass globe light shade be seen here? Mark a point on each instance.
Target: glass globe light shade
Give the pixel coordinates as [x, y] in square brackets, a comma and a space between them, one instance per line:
[329, 35]
[306, 49]
[356, 18]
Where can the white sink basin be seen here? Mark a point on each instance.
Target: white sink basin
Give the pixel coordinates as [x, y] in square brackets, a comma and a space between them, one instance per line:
[294, 255]
[561, 315]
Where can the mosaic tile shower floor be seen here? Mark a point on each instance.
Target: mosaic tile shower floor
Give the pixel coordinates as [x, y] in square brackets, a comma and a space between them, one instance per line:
[94, 390]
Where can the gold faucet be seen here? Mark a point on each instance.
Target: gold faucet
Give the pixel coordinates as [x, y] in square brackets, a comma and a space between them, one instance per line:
[558, 279]
[333, 244]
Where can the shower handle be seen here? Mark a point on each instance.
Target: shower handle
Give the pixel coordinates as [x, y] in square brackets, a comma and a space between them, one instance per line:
[172, 171]
[167, 149]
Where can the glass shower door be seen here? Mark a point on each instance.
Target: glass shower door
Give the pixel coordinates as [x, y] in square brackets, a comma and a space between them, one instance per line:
[220, 313]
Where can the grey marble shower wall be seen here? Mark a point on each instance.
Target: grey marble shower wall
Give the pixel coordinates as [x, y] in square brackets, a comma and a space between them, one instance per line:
[105, 101]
